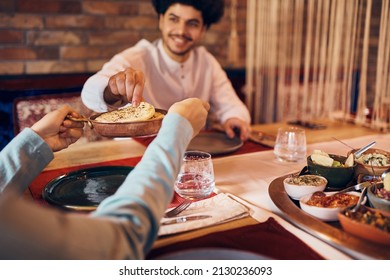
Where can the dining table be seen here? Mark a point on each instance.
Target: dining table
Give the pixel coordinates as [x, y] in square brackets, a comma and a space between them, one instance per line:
[247, 175]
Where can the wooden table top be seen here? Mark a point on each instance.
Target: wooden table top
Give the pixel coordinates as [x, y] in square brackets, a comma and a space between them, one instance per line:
[337, 129]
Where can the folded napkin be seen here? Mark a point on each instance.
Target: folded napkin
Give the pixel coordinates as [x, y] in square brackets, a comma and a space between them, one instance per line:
[221, 208]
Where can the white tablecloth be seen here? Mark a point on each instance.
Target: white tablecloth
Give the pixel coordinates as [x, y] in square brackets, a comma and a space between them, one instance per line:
[248, 177]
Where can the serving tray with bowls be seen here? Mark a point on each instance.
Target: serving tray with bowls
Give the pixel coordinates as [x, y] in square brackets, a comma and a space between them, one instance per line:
[330, 232]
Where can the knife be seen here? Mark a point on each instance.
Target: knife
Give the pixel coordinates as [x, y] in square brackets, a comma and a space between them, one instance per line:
[184, 219]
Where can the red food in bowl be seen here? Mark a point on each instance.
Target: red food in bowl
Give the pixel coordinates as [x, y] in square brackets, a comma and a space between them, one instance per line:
[337, 200]
[326, 205]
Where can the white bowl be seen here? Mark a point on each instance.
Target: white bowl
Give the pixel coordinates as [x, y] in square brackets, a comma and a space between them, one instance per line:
[326, 214]
[296, 191]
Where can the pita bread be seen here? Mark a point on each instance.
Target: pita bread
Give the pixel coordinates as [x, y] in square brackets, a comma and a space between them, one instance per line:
[157, 116]
[143, 112]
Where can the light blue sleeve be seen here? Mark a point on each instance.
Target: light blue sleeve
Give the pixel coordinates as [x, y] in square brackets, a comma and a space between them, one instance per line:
[141, 200]
[22, 160]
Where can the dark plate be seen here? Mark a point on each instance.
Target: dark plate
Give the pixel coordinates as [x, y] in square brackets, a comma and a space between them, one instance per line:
[213, 254]
[83, 190]
[215, 143]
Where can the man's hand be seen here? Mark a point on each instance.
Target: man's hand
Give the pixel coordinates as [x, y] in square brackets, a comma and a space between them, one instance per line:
[127, 86]
[57, 131]
[233, 124]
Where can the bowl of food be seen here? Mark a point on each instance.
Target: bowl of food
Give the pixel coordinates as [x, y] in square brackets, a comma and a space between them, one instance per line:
[338, 170]
[379, 197]
[326, 205]
[373, 162]
[128, 121]
[367, 223]
[298, 186]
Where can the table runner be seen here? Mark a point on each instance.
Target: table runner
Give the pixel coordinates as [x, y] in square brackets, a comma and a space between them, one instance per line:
[45, 177]
[269, 239]
[247, 147]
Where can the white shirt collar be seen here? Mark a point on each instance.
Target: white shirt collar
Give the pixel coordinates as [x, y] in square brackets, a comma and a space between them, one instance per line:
[173, 64]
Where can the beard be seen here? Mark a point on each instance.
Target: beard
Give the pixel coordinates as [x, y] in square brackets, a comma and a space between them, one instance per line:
[179, 51]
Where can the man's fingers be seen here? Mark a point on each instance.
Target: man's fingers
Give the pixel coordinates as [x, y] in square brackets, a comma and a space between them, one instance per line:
[139, 82]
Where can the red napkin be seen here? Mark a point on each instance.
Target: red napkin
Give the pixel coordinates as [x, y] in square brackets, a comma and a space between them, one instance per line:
[247, 147]
[45, 177]
[268, 239]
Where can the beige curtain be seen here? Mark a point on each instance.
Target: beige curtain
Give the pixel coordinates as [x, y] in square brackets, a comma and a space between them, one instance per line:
[381, 111]
[311, 59]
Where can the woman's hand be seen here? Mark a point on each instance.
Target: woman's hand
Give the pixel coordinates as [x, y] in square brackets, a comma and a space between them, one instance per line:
[57, 131]
[194, 110]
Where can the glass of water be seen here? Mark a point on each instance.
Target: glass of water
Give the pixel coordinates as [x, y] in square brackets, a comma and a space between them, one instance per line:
[196, 177]
[290, 144]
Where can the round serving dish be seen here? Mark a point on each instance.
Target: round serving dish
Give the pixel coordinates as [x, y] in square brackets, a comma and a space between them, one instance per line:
[363, 165]
[326, 214]
[299, 186]
[377, 202]
[363, 230]
[338, 177]
[145, 128]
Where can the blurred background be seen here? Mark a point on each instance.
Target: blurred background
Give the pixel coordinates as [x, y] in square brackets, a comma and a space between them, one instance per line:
[287, 59]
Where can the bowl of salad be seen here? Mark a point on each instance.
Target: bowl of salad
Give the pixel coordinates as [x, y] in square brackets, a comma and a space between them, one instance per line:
[338, 170]
[373, 162]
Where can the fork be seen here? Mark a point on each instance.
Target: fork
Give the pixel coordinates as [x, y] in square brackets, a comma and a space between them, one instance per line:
[358, 205]
[178, 209]
[357, 187]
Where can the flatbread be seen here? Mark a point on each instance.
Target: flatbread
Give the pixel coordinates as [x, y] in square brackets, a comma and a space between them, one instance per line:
[143, 112]
[157, 116]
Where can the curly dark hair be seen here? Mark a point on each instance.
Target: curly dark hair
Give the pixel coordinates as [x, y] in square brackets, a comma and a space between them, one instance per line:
[212, 10]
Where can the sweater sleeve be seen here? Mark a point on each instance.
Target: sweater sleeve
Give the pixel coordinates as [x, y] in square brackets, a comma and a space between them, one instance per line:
[22, 160]
[148, 189]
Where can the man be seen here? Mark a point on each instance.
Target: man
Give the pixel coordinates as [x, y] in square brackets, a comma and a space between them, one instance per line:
[171, 68]
[124, 226]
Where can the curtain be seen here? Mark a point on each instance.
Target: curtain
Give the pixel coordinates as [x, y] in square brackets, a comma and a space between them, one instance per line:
[315, 59]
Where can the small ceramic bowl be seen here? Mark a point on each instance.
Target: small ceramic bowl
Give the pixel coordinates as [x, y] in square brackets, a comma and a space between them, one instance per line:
[338, 177]
[363, 230]
[296, 187]
[365, 168]
[377, 202]
[325, 214]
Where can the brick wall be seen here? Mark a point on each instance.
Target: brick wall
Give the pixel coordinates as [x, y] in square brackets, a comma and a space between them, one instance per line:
[75, 36]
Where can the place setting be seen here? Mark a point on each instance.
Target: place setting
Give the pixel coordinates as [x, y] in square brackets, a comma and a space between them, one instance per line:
[82, 190]
[200, 206]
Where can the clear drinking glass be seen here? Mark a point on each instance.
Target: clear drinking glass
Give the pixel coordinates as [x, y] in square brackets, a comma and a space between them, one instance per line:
[290, 144]
[196, 177]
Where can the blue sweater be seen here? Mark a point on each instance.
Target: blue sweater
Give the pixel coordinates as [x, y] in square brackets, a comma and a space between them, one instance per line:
[124, 226]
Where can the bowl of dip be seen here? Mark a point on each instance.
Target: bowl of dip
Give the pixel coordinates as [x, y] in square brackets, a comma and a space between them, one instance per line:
[298, 186]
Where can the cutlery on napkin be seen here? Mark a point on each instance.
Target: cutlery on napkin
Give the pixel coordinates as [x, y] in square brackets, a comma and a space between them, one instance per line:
[220, 208]
[185, 219]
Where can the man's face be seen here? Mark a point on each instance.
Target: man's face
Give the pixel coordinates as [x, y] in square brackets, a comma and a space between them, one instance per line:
[181, 27]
